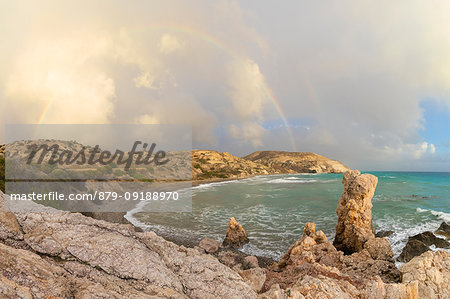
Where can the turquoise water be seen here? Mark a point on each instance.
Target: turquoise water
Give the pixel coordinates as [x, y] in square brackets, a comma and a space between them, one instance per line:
[273, 209]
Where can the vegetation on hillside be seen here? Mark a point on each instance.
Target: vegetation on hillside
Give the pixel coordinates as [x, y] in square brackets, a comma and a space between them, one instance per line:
[2, 174]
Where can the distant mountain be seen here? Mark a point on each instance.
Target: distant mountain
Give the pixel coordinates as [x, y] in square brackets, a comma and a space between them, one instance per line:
[295, 162]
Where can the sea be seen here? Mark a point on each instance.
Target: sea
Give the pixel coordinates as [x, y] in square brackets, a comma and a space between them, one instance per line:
[274, 208]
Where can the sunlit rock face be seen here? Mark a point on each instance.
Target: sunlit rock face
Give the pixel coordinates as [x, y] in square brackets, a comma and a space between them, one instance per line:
[354, 210]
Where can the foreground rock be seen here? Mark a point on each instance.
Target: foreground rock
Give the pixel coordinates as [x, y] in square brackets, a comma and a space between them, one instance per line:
[354, 211]
[69, 255]
[236, 235]
[313, 268]
[209, 245]
[313, 254]
[432, 272]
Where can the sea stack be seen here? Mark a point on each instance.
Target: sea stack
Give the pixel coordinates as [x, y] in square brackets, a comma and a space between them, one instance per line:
[236, 235]
[354, 210]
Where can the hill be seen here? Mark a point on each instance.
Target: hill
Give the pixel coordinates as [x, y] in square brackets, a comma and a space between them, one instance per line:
[295, 162]
[207, 164]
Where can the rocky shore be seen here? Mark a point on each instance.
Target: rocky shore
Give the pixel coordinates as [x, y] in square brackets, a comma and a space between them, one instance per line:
[54, 254]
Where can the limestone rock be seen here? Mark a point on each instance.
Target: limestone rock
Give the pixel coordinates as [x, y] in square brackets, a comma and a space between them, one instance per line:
[236, 235]
[254, 277]
[412, 249]
[354, 211]
[9, 227]
[87, 258]
[301, 250]
[362, 265]
[432, 271]
[379, 249]
[209, 245]
[228, 258]
[201, 275]
[250, 262]
[324, 287]
[376, 289]
[34, 276]
[275, 292]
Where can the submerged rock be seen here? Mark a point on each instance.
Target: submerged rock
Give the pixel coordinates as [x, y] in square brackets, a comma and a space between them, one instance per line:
[444, 230]
[236, 235]
[419, 244]
[412, 249]
[354, 211]
[384, 233]
[428, 238]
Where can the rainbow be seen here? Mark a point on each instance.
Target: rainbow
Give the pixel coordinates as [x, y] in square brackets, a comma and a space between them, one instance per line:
[219, 44]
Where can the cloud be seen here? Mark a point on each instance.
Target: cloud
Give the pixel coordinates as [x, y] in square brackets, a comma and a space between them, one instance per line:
[169, 44]
[247, 89]
[248, 132]
[53, 82]
[354, 74]
[145, 79]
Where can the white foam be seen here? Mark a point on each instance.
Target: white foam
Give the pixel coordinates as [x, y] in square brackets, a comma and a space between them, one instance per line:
[441, 215]
[292, 181]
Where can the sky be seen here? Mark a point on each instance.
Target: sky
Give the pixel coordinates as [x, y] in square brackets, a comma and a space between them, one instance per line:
[365, 83]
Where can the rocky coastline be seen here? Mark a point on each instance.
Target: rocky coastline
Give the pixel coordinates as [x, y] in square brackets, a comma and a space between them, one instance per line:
[53, 254]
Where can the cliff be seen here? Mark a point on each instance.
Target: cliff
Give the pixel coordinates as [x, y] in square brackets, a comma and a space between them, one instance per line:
[295, 162]
[208, 164]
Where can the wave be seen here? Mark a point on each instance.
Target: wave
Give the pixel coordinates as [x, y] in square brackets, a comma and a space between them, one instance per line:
[291, 181]
[441, 215]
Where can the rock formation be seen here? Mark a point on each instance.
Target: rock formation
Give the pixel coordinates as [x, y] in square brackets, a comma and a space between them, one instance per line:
[419, 244]
[432, 272]
[236, 235]
[295, 162]
[66, 255]
[215, 165]
[444, 230]
[250, 262]
[255, 277]
[313, 268]
[354, 211]
[209, 245]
